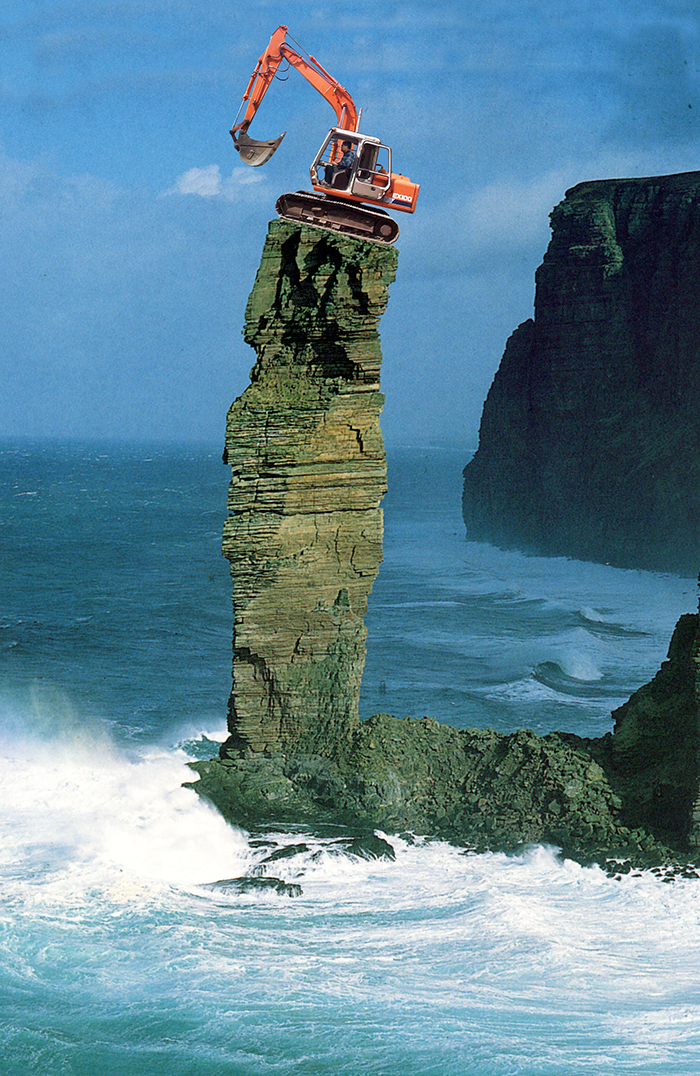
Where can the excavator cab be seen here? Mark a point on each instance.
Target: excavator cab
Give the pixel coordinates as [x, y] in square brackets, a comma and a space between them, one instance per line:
[368, 176]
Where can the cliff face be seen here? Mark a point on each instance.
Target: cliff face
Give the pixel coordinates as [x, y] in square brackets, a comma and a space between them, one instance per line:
[304, 535]
[589, 441]
[656, 742]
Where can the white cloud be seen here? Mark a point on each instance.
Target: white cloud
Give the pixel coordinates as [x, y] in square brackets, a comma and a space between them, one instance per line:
[513, 211]
[203, 181]
[207, 182]
[16, 177]
[502, 222]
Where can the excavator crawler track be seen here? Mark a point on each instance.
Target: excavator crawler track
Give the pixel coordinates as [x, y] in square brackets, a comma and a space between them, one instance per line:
[337, 215]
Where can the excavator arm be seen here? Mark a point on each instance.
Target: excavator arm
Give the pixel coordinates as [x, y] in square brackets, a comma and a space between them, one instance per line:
[256, 153]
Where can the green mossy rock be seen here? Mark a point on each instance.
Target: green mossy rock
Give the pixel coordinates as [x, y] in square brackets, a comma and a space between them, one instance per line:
[630, 796]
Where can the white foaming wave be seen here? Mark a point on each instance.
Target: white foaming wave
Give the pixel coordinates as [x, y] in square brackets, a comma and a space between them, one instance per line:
[525, 932]
[216, 735]
[595, 615]
[579, 665]
[499, 936]
[130, 820]
[531, 690]
[75, 810]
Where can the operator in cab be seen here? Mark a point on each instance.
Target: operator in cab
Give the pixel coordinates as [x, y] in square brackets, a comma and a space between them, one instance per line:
[343, 165]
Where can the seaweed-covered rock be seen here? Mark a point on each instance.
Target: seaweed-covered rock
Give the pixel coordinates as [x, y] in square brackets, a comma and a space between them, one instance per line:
[630, 796]
[655, 744]
[370, 846]
[478, 788]
[248, 884]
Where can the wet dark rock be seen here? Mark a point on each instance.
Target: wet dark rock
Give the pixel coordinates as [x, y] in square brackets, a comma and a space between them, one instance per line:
[248, 884]
[286, 852]
[370, 847]
[655, 744]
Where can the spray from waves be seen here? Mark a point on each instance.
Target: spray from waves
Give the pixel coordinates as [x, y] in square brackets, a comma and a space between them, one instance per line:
[570, 669]
[482, 941]
[73, 801]
[78, 809]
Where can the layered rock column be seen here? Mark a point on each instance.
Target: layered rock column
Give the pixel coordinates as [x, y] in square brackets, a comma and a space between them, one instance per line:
[308, 472]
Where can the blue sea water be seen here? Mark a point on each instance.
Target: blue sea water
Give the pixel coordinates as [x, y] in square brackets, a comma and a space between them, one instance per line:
[120, 955]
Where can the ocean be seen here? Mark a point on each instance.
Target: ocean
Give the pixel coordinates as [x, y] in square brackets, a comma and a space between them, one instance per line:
[125, 953]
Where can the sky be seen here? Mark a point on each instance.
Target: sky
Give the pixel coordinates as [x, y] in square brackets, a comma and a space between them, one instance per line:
[131, 234]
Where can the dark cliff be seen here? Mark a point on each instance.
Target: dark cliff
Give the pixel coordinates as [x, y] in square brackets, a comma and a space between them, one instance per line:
[590, 441]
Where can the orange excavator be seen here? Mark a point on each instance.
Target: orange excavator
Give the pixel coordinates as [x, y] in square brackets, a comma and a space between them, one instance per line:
[351, 175]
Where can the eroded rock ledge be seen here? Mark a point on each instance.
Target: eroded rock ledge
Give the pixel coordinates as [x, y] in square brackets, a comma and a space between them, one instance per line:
[590, 442]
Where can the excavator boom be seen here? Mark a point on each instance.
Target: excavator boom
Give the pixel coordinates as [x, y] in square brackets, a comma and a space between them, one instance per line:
[257, 153]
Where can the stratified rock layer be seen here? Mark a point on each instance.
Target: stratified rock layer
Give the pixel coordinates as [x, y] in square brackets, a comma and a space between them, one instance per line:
[304, 535]
[590, 441]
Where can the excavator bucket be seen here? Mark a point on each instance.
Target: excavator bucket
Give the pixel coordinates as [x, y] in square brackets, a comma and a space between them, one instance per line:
[252, 152]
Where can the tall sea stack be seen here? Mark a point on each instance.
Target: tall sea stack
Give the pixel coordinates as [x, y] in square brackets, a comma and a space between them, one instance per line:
[590, 440]
[304, 542]
[304, 534]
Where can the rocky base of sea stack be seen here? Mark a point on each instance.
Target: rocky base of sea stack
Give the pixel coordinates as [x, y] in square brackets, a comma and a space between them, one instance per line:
[623, 799]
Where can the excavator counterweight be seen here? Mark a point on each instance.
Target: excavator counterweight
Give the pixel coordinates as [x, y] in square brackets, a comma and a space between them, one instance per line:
[351, 175]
